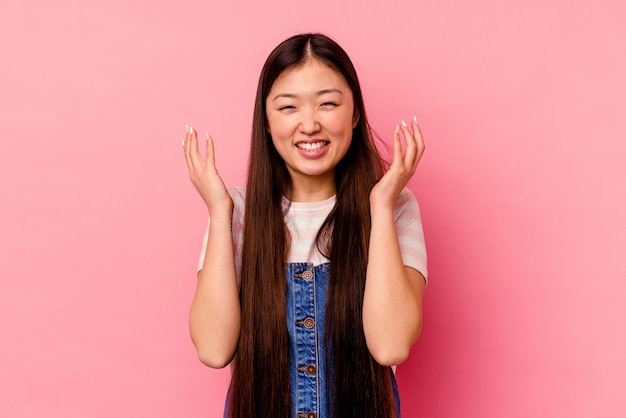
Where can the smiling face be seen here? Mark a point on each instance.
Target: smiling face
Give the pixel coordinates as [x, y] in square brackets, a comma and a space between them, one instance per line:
[310, 113]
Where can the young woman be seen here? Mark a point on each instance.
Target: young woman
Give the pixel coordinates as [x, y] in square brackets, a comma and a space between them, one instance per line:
[311, 278]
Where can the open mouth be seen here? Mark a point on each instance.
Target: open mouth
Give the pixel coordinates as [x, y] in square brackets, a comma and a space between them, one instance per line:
[312, 146]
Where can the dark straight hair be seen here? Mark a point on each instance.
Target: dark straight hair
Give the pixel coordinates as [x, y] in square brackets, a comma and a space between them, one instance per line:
[357, 384]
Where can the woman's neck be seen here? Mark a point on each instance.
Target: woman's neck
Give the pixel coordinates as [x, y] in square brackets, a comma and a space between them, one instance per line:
[312, 189]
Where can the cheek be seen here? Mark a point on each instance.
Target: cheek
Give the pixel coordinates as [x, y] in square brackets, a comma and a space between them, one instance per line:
[271, 123]
[341, 124]
[277, 126]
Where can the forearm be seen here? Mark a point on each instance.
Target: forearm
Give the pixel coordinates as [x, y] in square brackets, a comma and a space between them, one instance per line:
[214, 318]
[392, 304]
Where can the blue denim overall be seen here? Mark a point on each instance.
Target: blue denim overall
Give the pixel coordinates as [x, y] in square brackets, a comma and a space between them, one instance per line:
[307, 286]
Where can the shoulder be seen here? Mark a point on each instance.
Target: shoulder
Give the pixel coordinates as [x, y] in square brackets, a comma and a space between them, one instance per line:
[407, 204]
[238, 194]
[406, 196]
[410, 232]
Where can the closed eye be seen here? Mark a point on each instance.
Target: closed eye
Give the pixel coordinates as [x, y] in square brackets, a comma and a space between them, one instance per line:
[329, 104]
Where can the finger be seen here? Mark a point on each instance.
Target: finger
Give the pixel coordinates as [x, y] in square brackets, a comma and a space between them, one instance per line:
[419, 139]
[194, 152]
[210, 150]
[397, 147]
[410, 152]
[187, 148]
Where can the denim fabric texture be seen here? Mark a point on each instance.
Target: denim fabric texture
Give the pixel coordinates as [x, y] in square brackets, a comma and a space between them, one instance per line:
[307, 286]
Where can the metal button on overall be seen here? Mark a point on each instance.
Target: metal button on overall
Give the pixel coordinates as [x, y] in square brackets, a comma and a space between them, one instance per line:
[307, 322]
[310, 369]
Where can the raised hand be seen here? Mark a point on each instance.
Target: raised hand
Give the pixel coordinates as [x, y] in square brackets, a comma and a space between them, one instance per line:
[387, 190]
[204, 176]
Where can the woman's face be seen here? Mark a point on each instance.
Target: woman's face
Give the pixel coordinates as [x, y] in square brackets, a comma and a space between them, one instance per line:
[310, 111]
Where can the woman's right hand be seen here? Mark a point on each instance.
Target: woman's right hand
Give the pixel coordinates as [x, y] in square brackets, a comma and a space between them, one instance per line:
[215, 314]
[204, 176]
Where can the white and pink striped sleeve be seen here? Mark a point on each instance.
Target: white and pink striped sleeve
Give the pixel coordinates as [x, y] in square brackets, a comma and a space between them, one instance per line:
[410, 232]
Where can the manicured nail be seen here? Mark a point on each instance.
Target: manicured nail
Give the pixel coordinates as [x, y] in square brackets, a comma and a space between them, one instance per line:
[187, 128]
[397, 129]
[190, 130]
[183, 141]
[207, 135]
[403, 123]
[415, 119]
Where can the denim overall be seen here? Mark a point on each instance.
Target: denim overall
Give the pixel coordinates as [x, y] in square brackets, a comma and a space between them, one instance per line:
[307, 286]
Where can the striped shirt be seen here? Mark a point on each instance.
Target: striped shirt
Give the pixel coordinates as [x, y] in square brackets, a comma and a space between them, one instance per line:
[304, 219]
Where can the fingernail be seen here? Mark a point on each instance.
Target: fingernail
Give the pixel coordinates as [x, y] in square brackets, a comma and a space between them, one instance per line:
[403, 123]
[187, 128]
[207, 135]
[183, 141]
[397, 129]
[190, 130]
[415, 119]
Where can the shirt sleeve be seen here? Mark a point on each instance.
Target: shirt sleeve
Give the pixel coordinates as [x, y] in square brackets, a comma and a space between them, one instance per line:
[410, 232]
[238, 195]
[406, 215]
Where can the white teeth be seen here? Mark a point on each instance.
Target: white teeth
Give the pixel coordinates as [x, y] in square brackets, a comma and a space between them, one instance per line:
[311, 146]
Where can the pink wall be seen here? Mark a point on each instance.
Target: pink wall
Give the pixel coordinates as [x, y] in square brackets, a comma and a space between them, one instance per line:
[522, 190]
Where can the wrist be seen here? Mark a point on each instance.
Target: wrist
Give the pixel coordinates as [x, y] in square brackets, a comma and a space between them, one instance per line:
[221, 214]
[381, 210]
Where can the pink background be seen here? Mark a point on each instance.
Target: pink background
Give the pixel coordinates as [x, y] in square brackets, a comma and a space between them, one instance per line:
[522, 190]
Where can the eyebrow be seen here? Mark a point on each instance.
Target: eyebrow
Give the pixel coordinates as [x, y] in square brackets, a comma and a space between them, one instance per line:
[319, 93]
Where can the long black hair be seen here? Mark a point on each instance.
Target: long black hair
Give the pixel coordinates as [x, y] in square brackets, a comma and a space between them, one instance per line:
[358, 385]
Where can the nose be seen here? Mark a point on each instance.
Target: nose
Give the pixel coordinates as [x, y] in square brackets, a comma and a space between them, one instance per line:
[309, 123]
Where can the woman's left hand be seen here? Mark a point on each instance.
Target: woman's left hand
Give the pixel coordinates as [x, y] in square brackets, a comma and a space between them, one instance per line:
[402, 168]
